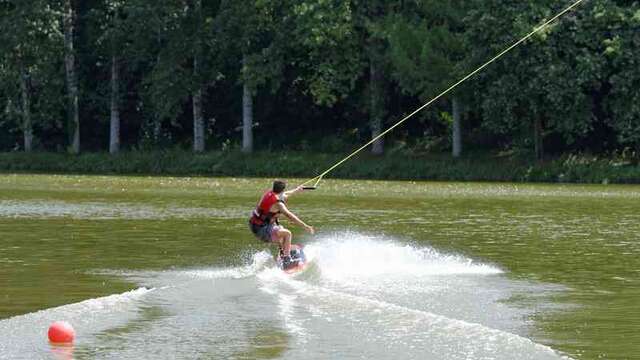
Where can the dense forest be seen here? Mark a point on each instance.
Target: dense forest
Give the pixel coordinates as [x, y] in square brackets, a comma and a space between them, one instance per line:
[318, 75]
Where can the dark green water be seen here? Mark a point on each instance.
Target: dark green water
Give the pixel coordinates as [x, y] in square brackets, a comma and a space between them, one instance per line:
[65, 239]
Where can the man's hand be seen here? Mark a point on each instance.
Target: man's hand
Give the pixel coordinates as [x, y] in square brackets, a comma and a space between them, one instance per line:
[294, 191]
[310, 229]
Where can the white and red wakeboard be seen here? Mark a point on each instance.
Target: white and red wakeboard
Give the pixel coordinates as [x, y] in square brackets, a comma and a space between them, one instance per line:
[298, 260]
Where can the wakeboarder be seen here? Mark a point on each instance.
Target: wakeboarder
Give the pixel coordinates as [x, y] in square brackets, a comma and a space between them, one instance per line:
[264, 219]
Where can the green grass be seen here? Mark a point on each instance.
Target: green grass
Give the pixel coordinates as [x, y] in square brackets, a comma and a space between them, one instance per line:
[393, 166]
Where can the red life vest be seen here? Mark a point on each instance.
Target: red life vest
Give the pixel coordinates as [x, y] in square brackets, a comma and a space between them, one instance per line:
[263, 214]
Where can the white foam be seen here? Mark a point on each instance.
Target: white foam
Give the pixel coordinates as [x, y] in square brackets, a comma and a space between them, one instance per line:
[27, 333]
[445, 332]
[352, 254]
[365, 279]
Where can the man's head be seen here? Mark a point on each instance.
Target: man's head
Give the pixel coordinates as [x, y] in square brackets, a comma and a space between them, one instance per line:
[278, 186]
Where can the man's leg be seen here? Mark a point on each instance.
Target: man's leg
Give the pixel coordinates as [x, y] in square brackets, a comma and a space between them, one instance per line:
[283, 237]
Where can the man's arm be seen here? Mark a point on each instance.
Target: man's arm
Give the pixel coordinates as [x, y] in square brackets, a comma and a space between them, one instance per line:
[283, 209]
[294, 191]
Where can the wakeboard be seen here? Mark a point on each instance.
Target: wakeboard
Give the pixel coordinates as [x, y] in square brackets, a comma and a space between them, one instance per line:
[298, 260]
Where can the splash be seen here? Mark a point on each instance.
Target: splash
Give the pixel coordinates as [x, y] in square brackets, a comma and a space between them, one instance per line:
[401, 298]
[352, 254]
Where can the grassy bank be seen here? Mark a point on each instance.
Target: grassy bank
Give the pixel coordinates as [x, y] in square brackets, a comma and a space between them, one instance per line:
[577, 169]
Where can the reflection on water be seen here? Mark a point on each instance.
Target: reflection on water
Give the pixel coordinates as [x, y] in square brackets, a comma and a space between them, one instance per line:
[62, 352]
[266, 343]
[424, 269]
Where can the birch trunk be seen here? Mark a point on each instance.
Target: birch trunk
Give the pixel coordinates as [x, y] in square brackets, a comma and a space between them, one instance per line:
[457, 128]
[72, 78]
[27, 126]
[375, 113]
[114, 134]
[247, 119]
[198, 121]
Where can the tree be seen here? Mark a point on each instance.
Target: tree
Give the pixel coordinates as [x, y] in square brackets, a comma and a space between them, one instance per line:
[317, 66]
[622, 89]
[377, 104]
[174, 44]
[373, 22]
[329, 60]
[71, 76]
[161, 85]
[115, 40]
[29, 47]
[247, 111]
[369, 17]
[111, 39]
[258, 33]
[546, 85]
[198, 121]
[426, 51]
[456, 134]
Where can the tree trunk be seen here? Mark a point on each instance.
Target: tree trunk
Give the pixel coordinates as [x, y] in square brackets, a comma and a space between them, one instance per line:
[247, 119]
[457, 127]
[377, 104]
[198, 121]
[538, 139]
[114, 135]
[27, 126]
[72, 78]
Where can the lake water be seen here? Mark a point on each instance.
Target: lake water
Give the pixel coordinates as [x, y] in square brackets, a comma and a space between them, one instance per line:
[148, 268]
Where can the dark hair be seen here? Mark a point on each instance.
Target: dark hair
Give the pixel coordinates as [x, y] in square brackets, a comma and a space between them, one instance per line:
[278, 186]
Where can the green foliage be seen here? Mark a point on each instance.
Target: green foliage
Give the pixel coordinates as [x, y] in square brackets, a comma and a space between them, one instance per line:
[393, 166]
[31, 47]
[425, 47]
[330, 60]
[569, 76]
[310, 64]
[256, 36]
[537, 80]
[621, 51]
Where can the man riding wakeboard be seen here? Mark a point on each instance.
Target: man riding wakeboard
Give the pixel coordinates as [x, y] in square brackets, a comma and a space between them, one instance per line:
[264, 219]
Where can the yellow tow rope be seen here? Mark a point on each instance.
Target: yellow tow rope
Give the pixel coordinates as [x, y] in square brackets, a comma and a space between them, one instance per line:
[318, 178]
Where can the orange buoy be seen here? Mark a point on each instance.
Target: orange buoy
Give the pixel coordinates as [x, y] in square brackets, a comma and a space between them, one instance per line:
[61, 332]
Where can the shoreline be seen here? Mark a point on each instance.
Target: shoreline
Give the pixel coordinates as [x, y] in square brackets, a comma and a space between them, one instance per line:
[579, 169]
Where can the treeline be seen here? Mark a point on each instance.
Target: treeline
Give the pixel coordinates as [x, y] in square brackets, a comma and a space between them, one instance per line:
[319, 75]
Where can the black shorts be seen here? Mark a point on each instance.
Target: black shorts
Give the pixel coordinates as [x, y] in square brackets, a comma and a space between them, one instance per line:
[264, 232]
